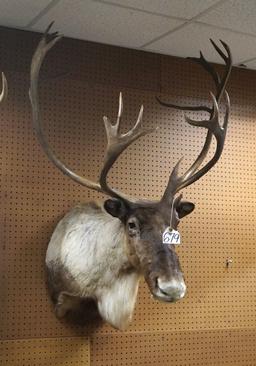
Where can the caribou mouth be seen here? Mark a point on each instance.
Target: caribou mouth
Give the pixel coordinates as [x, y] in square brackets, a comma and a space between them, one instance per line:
[170, 291]
[162, 296]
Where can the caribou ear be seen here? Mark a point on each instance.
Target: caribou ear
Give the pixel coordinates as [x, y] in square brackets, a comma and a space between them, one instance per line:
[115, 207]
[184, 208]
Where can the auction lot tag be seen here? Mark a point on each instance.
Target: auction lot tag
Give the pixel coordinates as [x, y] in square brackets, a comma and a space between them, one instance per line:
[171, 236]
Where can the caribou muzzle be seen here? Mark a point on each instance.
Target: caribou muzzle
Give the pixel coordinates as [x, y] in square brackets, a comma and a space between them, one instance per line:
[166, 283]
[170, 291]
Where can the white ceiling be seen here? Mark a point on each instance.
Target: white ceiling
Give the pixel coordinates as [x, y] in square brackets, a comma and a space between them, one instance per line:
[173, 27]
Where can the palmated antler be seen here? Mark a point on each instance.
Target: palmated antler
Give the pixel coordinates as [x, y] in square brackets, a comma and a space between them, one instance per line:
[176, 183]
[4, 91]
[116, 142]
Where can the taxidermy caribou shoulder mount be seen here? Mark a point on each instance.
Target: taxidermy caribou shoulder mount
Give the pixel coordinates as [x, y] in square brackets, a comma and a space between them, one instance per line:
[100, 251]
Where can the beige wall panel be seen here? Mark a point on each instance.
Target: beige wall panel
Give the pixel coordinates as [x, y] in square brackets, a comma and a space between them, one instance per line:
[211, 348]
[45, 352]
[34, 195]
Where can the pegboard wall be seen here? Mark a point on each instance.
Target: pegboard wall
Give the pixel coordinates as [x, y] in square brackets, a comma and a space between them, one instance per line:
[215, 325]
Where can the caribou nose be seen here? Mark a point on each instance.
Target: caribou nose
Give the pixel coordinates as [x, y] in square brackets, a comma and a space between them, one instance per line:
[175, 289]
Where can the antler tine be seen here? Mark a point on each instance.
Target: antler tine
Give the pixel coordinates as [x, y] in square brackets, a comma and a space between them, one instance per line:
[117, 143]
[183, 107]
[173, 182]
[219, 83]
[220, 52]
[208, 67]
[120, 111]
[138, 123]
[112, 129]
[226, 118]
[210, 124]
[4, 91]
[228, 61]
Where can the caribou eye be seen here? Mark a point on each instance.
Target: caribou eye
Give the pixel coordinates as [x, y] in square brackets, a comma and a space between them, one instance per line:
[131, 225]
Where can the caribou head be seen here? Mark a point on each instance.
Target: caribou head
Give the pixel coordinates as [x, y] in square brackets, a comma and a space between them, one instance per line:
[99, 251]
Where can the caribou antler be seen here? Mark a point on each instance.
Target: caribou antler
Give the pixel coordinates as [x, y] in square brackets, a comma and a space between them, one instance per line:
[117, 142]
[176, 183]
[4, 91]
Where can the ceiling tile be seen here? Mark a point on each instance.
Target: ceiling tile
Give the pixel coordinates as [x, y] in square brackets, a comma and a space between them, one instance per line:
[239, 15]
[188, 40]
[103, 23]
[176, 8]
[18, 13]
